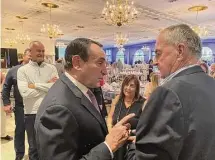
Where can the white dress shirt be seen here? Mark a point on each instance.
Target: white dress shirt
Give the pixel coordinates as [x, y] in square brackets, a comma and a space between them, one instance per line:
[84, 90]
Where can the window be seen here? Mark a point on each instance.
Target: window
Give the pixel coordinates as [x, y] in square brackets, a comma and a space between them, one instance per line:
[138, 56]
[108, 55]
[120, 55]
[153, 55]
[61, 52]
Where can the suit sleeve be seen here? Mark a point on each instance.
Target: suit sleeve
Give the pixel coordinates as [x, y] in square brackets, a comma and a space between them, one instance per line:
[160, 130]
[57, 135]
[7, 88]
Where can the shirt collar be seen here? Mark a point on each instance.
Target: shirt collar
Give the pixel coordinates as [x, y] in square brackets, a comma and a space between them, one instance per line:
[35, 63]
[82, 87]
[171, 76]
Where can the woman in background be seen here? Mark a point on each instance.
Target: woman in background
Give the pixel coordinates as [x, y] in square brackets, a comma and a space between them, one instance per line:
[150, 86]
[129, 101]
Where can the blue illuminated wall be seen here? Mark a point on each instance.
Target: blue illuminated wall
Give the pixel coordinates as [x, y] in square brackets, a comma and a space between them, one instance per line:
[131, 49]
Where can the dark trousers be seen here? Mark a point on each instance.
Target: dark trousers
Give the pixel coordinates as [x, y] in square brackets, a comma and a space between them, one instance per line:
[29, 126]
[19, 140]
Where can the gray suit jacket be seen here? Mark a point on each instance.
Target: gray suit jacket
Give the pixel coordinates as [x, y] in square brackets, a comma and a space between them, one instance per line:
[178, 122]
[68, 127]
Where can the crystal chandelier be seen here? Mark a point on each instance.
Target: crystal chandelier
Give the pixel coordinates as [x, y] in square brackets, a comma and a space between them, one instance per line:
[10, 42]
[52, 30]
[119, 12]
[60, 45]
[22, 37]
[121, 40]
[200, 30]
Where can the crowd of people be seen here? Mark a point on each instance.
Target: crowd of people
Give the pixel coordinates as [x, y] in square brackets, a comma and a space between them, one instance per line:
[62, 109]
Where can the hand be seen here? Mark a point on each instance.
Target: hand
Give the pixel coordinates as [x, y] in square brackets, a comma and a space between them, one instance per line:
[132, 137]
[53, 80]
[119, 134]
[32, 86]
[8, 109]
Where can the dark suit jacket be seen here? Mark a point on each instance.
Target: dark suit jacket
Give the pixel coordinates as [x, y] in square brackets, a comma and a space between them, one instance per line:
[68, 127]
[178, 122]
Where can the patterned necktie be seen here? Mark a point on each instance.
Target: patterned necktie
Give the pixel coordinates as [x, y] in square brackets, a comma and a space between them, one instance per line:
[93, 100]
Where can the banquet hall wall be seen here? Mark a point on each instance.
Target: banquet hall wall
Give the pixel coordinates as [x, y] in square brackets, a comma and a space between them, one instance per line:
[131, 49]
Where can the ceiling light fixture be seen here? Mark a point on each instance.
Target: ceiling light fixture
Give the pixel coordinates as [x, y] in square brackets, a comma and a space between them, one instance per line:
[200, 30]
[120, 40]
[21, 36]
[119, 12]
[10, 42]
[52, 30]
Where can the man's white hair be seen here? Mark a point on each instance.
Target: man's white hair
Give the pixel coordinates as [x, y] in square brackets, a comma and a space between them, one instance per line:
[182, 33]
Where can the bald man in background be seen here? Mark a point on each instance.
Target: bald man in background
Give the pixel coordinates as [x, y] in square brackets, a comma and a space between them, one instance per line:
[34, 80]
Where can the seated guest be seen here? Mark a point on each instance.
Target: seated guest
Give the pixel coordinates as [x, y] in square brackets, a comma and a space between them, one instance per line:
[129, 101]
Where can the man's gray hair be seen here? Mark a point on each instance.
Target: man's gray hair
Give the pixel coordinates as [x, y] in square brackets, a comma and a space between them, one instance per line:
[26, 51]
[182, 33]
[32, 43]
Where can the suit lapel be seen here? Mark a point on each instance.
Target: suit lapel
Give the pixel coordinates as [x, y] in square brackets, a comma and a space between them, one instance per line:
[88, 106]
[85, 102]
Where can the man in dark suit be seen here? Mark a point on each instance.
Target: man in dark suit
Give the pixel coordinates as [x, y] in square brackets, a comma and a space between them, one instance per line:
[178, 120]
[11, 81]
[69, 124]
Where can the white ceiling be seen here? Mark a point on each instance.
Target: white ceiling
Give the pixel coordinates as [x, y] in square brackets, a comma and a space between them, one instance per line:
[153, 16]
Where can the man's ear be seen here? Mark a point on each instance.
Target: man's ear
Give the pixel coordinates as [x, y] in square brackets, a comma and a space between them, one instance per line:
[76, 62]
[181, 51]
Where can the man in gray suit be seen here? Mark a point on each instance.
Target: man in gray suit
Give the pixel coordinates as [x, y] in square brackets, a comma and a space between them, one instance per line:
[69, 123]
[178, 122]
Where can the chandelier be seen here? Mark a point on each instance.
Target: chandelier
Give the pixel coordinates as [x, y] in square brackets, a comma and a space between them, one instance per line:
[119, 12]
[22, 37]
[10, 42]
[52, 30]
[60, 45]
[120, 40]
[200, 30]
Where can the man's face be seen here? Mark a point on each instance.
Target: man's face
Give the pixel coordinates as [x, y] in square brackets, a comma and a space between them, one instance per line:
[37, 52]
[166, 57]
[27, 57]
[93, 70]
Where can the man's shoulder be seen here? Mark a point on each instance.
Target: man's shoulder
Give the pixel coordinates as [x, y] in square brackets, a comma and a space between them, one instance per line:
[23, 67]
[49, 65]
